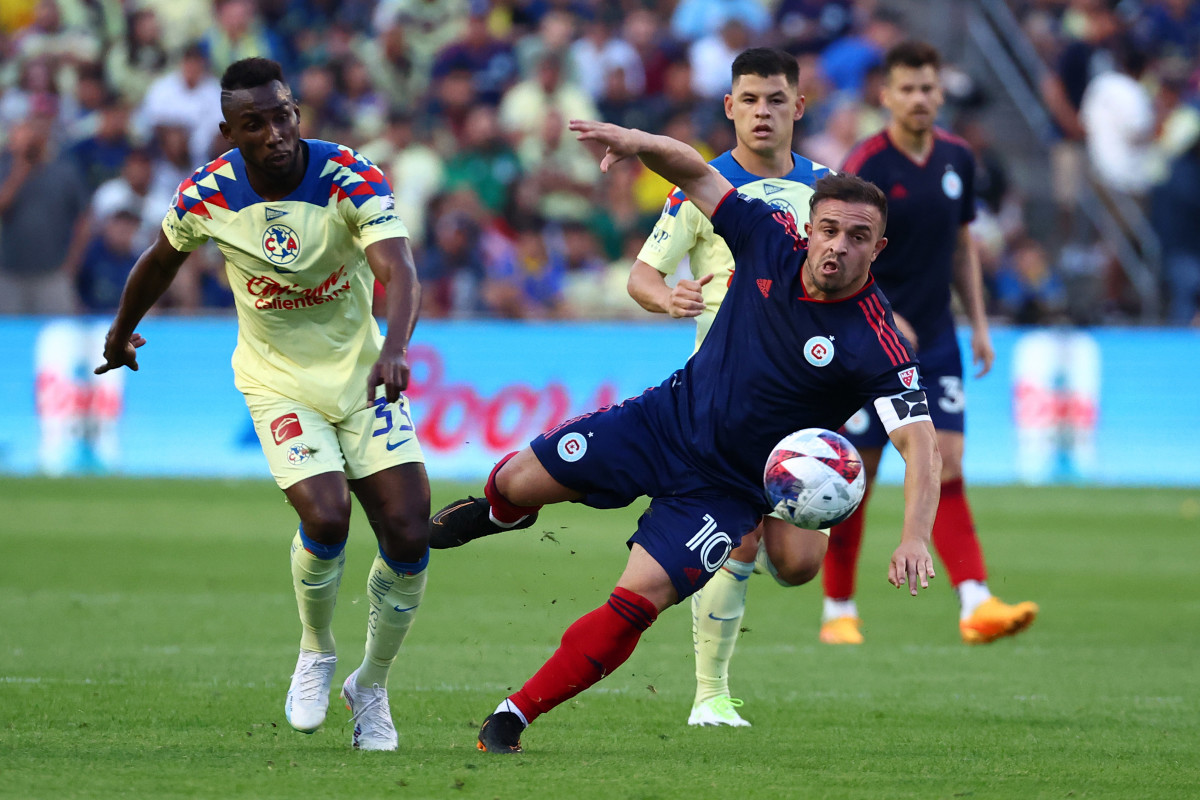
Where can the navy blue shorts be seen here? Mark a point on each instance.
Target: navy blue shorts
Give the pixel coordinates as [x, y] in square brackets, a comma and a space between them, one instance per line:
[941, 372]
[616, 455]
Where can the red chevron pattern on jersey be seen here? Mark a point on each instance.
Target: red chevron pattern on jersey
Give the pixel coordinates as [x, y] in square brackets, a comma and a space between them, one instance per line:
[208, 197]
[373, 184]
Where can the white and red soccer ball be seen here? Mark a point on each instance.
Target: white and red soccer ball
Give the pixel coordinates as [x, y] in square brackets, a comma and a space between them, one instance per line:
[814, 478]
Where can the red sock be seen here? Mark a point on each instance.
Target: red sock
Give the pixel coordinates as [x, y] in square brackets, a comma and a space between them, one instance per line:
[595, 645]
[502, 509]
[954, 536]
[841, 559]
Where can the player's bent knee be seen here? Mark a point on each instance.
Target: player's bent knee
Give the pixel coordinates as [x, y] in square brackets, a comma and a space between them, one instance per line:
[327, 523]
[525, 482]
[798, 573]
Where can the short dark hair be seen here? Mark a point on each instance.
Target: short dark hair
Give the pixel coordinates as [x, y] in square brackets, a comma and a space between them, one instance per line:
[250, 73]
[912, 54]
[765, 62]
[849, 189]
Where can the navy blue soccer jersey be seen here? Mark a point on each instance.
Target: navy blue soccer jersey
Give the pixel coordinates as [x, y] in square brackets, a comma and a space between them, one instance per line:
[776, 360]
[927, 205]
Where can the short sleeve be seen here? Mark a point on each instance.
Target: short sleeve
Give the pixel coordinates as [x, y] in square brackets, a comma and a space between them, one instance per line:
[673, 236]
[758, 235]
[366, 201]
[183, 229]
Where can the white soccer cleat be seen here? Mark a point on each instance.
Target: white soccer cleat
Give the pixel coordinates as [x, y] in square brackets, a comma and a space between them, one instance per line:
[308, 694]
[371, 715]
[719, 710]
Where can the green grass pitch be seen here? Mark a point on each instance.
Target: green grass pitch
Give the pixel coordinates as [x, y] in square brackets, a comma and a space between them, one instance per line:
[148, 631]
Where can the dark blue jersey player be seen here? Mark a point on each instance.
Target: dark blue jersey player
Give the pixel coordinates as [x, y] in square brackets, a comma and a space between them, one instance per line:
[803, 338]
[928, 178]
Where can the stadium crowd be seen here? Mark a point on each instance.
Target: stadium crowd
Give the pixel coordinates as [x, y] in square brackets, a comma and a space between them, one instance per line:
[106, 105]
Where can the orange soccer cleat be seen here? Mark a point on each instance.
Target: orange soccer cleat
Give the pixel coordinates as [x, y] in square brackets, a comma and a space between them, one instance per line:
[842, 630]
[994, 619]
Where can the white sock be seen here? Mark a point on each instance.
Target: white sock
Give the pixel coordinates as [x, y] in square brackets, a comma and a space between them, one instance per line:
[970, 595]
[838, 608]
[497, 522]
[508, 705]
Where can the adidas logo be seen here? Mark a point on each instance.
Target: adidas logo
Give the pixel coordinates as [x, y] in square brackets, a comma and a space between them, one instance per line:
[771, 189]
[274, 213]
[898, 192]
[764, 286]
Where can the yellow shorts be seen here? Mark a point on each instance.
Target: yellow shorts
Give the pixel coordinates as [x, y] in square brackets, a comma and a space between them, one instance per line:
[300, 442]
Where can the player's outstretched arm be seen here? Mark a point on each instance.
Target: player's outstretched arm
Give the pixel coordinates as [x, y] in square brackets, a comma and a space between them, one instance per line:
[149, 278]
[677, 162]
[911, 562]
[392, 262]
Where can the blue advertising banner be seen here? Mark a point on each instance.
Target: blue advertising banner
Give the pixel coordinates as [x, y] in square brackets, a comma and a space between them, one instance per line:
[1105, 406]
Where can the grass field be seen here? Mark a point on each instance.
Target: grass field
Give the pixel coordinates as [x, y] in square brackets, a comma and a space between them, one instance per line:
[148, 631]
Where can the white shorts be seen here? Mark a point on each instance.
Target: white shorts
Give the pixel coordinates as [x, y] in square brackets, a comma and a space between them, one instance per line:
[300, 443]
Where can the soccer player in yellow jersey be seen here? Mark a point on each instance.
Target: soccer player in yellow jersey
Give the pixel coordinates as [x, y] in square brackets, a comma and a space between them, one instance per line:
[764, 104]
[306, 227]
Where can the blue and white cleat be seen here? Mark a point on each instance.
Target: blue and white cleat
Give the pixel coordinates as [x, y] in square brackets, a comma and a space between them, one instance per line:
[371, 715]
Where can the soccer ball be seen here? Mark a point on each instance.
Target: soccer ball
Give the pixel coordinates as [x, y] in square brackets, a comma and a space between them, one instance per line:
[814, 478]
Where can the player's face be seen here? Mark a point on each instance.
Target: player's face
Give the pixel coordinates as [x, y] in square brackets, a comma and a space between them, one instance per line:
[843, 239]
[913, 95]
[764, 111]
[264, 124]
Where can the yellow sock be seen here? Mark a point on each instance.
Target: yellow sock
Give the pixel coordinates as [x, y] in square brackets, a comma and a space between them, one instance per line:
[394, 598]
[316, 582]
[717, 612]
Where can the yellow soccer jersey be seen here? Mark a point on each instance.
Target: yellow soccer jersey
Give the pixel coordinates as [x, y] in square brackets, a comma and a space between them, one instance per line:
[682, 230]
[298, 271]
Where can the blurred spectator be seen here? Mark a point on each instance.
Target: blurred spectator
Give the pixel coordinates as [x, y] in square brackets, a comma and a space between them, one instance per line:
[490, 61]
[526, 105]
[1027, 290]
[585, 280]
[189, 96]
[237, 33]
[182, 23]
[526, 282]
[91, 95]
[42, 224]
[451, 270]
[100, 156]
[650, 40]
[414, 169]
[131, 191]
[555, 32]
[831, 145]
[61, 47]
[172, 164]
[695, 19]
[1177, 116]
[1176, 207]
[809, 26]
[847, 61]
[366, 107]
[107, 261]
[323, 112]
[1169, 27]
[1062, 92]
[599, 53]
[485, 163]
[712, 57]
[394, 67]
[134, 62]
[430, 25]
[36, 92]
[563, 171]
[1117, 114]
[621, 106]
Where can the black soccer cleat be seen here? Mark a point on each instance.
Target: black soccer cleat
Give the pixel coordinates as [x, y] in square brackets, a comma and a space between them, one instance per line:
[501, 733]
[465, 521]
